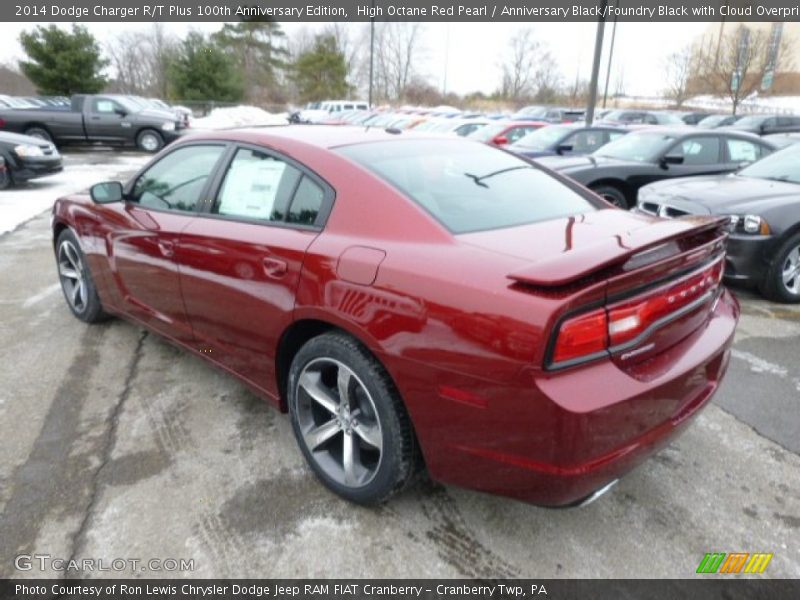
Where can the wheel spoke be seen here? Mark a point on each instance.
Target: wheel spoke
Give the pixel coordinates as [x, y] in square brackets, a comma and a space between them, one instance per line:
[67, 271]
[311, 382]
[74, 293]
[72, 257]
[349, 459]
[319, 435]
[370, 433]
[343, 383]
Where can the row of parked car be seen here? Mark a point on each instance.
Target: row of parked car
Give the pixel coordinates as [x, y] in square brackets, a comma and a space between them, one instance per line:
[31, 128]
[660, 163]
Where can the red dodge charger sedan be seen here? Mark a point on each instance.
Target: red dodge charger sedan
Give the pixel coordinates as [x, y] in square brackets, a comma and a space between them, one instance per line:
[414, 301]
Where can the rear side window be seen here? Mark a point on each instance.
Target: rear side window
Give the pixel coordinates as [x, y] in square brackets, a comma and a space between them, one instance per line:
[744, 150]
[307, 203]
[469, 187]
[176, 182]
[256, 186]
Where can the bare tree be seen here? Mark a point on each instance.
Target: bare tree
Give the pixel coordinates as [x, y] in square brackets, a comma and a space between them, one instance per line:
[398, 46]
[529, 70]
[745, 60]
[680, 67]
[140, 59]
[546, 78]
[517, 66]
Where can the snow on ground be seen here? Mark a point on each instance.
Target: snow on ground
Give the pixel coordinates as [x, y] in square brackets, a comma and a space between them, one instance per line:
[238, 116]
[81, 170]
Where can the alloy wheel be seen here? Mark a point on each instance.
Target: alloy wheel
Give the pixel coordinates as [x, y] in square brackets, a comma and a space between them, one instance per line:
[338, 422]
[149, 142]
[791, 271]
[73, 278]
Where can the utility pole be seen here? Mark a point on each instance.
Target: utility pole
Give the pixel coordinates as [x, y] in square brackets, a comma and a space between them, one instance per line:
[610, 56]
[598, 51]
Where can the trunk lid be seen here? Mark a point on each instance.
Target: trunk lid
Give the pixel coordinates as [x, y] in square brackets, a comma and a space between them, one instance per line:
[653, 282]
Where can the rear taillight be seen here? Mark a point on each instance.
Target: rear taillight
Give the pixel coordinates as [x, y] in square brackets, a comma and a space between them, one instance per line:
[628, 322]
[2, 122]
[582, 336]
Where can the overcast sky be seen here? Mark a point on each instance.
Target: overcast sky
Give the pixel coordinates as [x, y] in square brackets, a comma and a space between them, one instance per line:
[475, 49]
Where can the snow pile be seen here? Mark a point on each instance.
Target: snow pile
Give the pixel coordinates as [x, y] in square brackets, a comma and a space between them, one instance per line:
[20, 204]
[751, 104]
[238, 116]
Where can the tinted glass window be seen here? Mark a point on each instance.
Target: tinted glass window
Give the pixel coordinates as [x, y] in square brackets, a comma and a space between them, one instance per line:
[698, 151]
[469, 187]
[176, 181]
[256, 186]
[744, 150]
[517, 133]
[307, 203]
[585, 141]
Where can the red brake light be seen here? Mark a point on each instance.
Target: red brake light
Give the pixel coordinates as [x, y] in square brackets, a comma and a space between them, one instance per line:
[2, 122]
[582, 336]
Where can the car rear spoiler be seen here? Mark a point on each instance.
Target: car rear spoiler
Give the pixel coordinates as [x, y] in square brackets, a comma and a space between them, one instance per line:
[576, 264]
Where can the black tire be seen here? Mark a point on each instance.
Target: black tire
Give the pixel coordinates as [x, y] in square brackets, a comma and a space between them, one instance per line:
[39, 132]
[149, 140]
[72, 272]
[398, 456]
[611, 194]
[773, 286]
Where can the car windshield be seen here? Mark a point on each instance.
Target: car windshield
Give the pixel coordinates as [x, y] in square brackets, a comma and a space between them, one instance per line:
[532, 111]
[712, 121]
[615, 115]
[639, 147]
[543, 138]
[780, 166]
[751, 121]
[669, 119]
[484, 134]
[469, 187]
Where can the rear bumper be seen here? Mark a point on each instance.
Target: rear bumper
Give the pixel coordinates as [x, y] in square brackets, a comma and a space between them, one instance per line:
[746, 257]
[565, 435]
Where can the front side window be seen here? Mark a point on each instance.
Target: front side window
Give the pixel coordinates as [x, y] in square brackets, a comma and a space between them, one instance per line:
[176, 182]
[585, 141]
[256, 186]
[105, 106]
[469, 187]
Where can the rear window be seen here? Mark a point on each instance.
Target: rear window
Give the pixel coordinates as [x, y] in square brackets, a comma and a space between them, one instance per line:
[469, 187]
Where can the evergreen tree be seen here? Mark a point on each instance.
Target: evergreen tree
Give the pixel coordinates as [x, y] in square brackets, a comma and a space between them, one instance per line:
[63, 63]
[321, 72]
[201, 70]
[258, 47]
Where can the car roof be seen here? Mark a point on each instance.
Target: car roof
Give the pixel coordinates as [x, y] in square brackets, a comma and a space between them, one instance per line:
[321, 136]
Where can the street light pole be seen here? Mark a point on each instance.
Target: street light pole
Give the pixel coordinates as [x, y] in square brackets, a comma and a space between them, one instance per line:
[598, 51]
[371, 51]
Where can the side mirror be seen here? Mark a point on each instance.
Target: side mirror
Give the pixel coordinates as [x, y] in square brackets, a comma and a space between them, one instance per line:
[121, 112]
[671, 159]
[500, 140]
[106, 192]
[562, 148]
